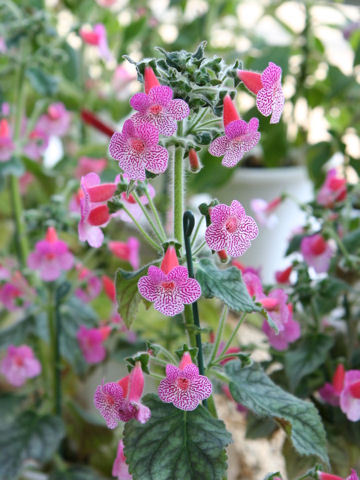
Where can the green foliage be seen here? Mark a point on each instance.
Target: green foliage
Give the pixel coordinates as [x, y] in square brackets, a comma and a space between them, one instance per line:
[251, 387]
[174, 445]
[17, 332]
[224, 284]
[76, 473]
[44, 83]
[259, 427]
[30, 436]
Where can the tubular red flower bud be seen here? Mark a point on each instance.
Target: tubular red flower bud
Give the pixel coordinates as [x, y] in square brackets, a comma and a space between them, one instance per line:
[230, 113]
[223, 256]
[194, 160]
[136, 383]
[91, 119]
[101, 193]
[282, 276]
[99, 215]
[251, 80]
[186, 360]
[339, 378]
[269, 303]
[51, 235]
[124, 384]
[150, 79]
[328, 476]
[109, 287]
[170, 260]
[4, 128]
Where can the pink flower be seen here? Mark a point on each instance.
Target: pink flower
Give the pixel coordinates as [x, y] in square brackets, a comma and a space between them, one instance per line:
[267, 88]
[87, 165]
[253, 285]
[330, 476]
[183, 386]
[276, 306]
[289, 332]
[120, 469]
[231, 229]
[240, 137]
[97, 37]
[6, 144]
[130, 202]
[94, 210]
[333, 190]
[317, 252]
[120, 401]
[264, 211]
[109, 288]
[106, 3]
[136, 148]
[19, 364]
[16, 293]
[159, 109]
[75, 202]
[350, 395]
[55, 121]
[24, 181]
[50, 257]
[330, 392]
[128, 251]
[170, 288]
[121, 80]
[37, 144]
[91, 343]
[90, 285]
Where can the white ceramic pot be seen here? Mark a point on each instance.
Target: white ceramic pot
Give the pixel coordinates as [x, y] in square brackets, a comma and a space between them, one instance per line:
[267, 251]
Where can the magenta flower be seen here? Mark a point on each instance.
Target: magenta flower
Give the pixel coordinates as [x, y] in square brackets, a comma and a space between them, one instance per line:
[267, 88]
[231, 229]
[19, 364]
[16, 293]
[94, 210]
[330, 392]
[289, 332]
[253, 285]
[136, 148]
[97, 37]
[6, 144]
[264, 211]
[37, 143]
[87, 165]
[120, 401]
[317, 252]
[90, 284]
[128, 251]
[183, 386]
[120, 469]
[50, 257]
[121, 81]
[350, 395]
[159, 109]
[333, 190]
[131, 204]
[91, 343]
[56, 121]
[277, 308]
[169, 288]
[330, 476]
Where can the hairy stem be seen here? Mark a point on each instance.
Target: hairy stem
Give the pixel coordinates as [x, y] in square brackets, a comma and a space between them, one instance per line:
[219, 333]
[148, 217]
[142, 231]
[178, 194]
[156, 214]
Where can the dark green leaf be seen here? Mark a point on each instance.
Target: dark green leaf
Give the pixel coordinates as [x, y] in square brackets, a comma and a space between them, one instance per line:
[13, 166]
[142, 357]
[176, 445]
[17, 332]
[76, 473]
[296, 465]
[9, 405]
[41, 81]
[225, 284]
[311, 352]
[294, 245]
[259, 427]
[30, 436]
[251, 387]
[352, 241]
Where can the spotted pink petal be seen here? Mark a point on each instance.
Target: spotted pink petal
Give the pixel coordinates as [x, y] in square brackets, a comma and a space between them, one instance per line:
[237, 128]
[178, 109]
[189, 291]
[148, 288]
[271, 75]
[253, 124]
[109, 399]
[169, 303]
[219, 214]
[233, 155]
[219, 146]
[161, 95]
[157, 159]
[237, 209]
[216, 238]
[128, 130]
[167, 390]
[264, 101]
[278, 106]
[148, 133]
[172, 372]
[190, 372]
[237, 244]
[140, 102]
[133, 165]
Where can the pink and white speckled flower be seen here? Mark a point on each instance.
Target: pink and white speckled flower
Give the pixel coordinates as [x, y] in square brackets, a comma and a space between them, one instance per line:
[109, 399]
[19, 364]
[317, 252]
[136, 148]
[183, 386]
[169, 289]
[159, 109]
[91, 343]
[90, 284]
[333, 190]
[120, 469]
[97, 37]
[128, 251]
[240, 137]
[267, 88]
[56, 121]
[6, 144]
[51, 257]
[350, 395]
[264, 211]
[231, 229]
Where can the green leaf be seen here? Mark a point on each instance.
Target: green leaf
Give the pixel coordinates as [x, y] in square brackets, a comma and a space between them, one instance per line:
[351, 241]
[294, 245]
[258, 427]
[251, 387]
[127, 294]
[176, 445]
[42, 82]
[30, 436]
[17, 332]
[296, 465]
[311, 352]
[76, 473]
[13, 166]
[225, 284]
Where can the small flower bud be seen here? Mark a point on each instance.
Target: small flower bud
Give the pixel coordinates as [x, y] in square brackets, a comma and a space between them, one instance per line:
[230, 113]
[223, 256]
[194, 161]
[150, 79]
[251, 80]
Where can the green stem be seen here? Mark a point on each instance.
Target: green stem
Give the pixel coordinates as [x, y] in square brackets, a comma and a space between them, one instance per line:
[148, 217]
[193, 240]
[52, 323]
[198, 250]
[211, 406]
[189, 324]
[198, 119]
[339, 243]
[57, 363]
[178, 194]
[219, 333]
[142, 231]
[156, 214]
[232, 336]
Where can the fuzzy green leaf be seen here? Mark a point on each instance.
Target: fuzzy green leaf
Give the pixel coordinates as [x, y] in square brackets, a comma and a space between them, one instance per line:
[251, 387]
[176, 445]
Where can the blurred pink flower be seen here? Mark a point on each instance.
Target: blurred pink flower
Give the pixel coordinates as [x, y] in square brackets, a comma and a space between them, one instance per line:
[350, 395]
[159, 109]
[50, 257]
[94, 210]
[56, 121]
[267, 88]
[231, 229]
[136, 149]
[97, 37]
[317, 252]
[91, 343]
[24, 182]
[6, 144]
[264, 211]
[120, 469]
[283, 276]
[19, 364]
[128, 251]
[15, 294]
[333, 190]
[106, 3]
[121, 80]
[130, 202]
[253, 285]
[171, 289]
[330, 476]
[90, 284]
[289, 332]
[87, 165]
[75, 202]
[38, 142]
[183, 386]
